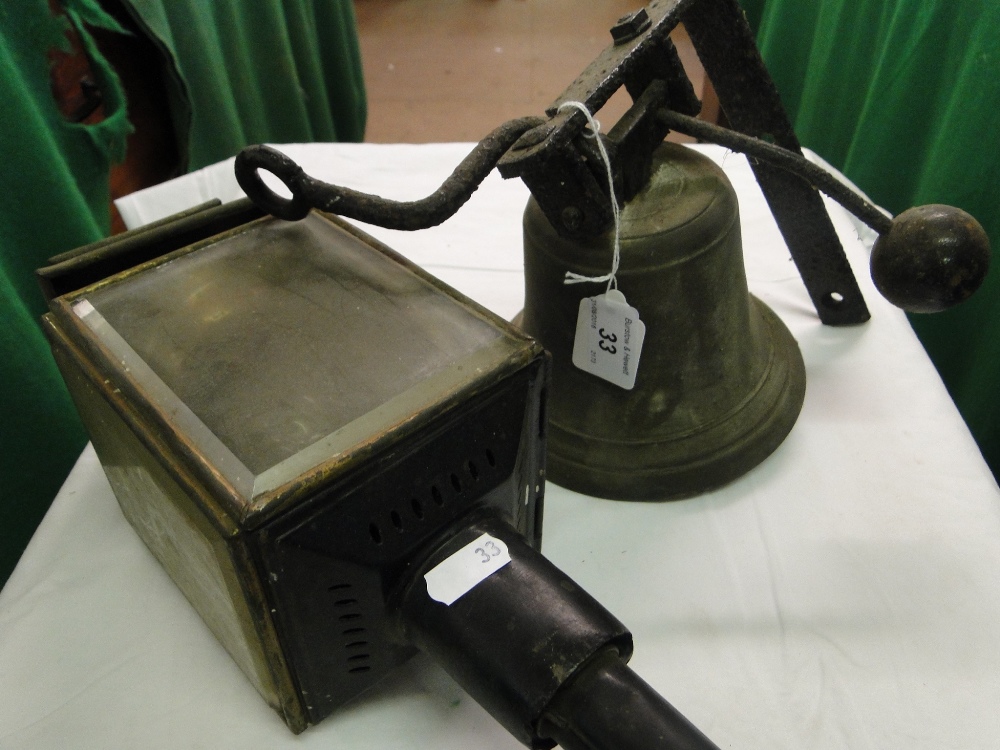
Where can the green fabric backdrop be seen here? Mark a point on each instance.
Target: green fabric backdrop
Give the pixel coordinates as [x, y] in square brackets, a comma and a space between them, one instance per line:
[243, 72]
[900, 95]
[282, 71]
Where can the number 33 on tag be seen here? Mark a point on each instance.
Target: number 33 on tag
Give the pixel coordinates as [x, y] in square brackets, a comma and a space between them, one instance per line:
[609, 338]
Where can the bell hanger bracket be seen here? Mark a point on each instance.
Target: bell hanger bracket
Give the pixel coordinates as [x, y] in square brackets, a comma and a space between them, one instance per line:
[914, 262]
[725, 45]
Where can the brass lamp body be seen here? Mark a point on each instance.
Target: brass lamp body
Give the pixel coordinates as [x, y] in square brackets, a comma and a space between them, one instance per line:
[288, 414]
[720, 381]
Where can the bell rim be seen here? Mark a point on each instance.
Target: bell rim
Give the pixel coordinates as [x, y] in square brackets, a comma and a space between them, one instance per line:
[707, 469]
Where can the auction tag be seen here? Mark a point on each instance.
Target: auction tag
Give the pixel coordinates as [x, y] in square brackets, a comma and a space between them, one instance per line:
[609, 338]
[465, 569]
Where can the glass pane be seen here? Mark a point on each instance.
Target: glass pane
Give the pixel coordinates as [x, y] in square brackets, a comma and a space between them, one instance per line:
[278, 336]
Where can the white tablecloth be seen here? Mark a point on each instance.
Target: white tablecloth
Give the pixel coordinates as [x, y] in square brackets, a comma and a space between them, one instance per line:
[844, 594]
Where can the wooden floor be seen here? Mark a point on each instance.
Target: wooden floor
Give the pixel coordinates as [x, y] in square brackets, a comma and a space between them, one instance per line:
[452, 70]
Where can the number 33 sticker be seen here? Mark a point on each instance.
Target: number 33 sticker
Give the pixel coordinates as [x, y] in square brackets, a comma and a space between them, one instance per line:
[488, 551]
[465, 569]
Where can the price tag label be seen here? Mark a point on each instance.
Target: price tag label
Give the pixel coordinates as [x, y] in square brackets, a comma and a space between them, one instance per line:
[83, 308]
[609, 336]
[465, 569]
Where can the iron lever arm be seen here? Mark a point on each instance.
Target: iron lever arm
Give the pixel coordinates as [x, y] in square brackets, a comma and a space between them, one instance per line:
[926, 259]
[783, 158]
[308, 192]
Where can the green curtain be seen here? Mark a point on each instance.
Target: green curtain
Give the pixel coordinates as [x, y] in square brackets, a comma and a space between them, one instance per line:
[900, 95]
[241, 72]
[278, 71]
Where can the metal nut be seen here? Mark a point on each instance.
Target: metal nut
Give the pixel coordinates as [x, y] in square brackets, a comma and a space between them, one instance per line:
[630, 26]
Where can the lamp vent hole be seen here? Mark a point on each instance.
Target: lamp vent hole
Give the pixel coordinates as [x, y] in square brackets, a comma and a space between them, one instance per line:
[473, 470]
[339, 587]
[356, 644]
[349, 616]
[359, 670]
[397, 520]
[353, 631]
[359, 657]
[456, 483]
[345, 602]
[375, 532]
[418, 508]
[436, 495]
[490, 458]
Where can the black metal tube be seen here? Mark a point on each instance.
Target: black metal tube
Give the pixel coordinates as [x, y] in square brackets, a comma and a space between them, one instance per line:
[607, 705]
[539, 653]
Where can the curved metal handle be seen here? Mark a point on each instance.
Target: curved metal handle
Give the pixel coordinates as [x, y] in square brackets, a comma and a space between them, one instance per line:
[308, 192]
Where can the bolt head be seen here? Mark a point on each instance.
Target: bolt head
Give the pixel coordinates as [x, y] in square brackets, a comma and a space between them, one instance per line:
[572, 218]
[533, 137]
[630, 26]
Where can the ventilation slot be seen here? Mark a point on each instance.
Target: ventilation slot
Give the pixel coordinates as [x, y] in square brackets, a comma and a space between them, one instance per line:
[357, 649]
[403, 519]
[397, 520]
[359, 663]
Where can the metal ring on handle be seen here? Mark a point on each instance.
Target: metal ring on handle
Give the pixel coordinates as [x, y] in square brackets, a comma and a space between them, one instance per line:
[251, 160]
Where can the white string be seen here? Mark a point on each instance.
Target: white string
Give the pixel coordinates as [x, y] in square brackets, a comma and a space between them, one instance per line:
[576, 278]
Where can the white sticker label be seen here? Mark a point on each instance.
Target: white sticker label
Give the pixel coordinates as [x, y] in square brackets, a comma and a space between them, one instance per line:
[83, 308]
[465, 569]
[609, 338]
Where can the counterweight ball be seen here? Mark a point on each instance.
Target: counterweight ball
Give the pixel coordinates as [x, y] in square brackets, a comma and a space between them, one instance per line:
[932, 258]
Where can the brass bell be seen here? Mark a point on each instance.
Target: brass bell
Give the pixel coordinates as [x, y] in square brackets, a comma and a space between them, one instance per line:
[720, 382]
